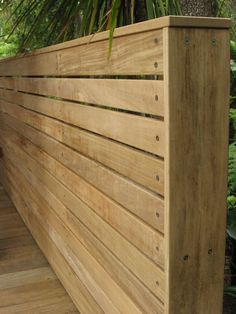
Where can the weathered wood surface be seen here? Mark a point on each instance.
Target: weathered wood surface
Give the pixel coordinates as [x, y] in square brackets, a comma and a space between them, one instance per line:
[27, 283]
[117, 177]
[160, 23]
[136, 131]
[130, 195]
[111, 239]
[93, 58]
[197, 98]
[133, 95]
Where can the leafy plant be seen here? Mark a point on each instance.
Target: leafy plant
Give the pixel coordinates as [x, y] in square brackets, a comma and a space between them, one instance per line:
[231, 222]
[231, 215]
[42, 22]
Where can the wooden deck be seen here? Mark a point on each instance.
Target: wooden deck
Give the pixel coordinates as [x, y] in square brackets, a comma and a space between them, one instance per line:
[27, 282]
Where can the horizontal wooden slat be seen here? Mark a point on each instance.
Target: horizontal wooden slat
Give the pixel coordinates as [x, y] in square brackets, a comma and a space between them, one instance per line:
[131, 196]
[131, 129]
[138, 233]
[135, 261]
[117, 271]
[134, 95]
[105, 291]
[93, 58]
[80, 295]
[13, 228]
[21, 258]
[12, 280]
[154, 24]
[131, 163]
[16, 241]
[34, 292]
[46, 305]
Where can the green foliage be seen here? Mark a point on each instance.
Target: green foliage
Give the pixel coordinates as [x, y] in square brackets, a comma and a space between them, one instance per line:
[7, 49]
[232, 169]
[38, 23]
[232, 117]
[233, 74]
[231, 222]
[231, 217]
[227, 8]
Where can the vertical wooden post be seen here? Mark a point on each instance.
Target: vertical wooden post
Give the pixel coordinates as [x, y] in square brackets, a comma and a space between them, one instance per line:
[196, 75]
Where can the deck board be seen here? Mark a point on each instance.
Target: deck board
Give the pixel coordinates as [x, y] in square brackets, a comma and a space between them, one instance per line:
[27, 282]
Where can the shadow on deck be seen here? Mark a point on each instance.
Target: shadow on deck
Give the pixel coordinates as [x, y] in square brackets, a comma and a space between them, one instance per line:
[27, 282]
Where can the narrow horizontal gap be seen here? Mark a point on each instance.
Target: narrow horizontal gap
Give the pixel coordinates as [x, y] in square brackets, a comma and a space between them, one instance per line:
[59, 46]
[89, 131]
[155, 194]
[112, 76]
[93, 235]
[116, 109]
[6, 88]
[96, 213]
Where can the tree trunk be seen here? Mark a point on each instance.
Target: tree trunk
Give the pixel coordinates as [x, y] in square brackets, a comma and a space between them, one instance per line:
[199, 7]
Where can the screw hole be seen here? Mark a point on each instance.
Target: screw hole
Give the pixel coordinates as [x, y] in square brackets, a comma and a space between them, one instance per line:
[157, 283]
[186, 41]
[156, 97]
[210, 252]
[157, 248]
[213, 42]
[157, 138]
[157, 178]
[186, 257]
[156, 41]
[156, 64]
[157, 214]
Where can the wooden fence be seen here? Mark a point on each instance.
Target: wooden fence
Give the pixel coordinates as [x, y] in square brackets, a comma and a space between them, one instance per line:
[118, 165]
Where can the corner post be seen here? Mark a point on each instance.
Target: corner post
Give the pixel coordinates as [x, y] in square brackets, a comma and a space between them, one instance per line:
[196, 78]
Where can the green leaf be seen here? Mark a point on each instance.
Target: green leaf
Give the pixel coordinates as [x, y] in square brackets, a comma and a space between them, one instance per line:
[150, 11]
[231, 218]
[233, 50]
[113, 21]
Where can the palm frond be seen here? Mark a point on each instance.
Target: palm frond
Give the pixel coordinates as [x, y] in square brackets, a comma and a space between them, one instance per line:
[41, 22]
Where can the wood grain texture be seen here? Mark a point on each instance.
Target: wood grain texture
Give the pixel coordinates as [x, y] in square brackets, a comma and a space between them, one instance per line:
[129, 162]
[154, 24]
[121, 180]
[105, 291]
[27, 283]
[135, 261]
[48, 208]
[93, 59]
[81, 297]
[133, 95]
[123, 191]
[142, 133]
[197, 97]
[143, 237]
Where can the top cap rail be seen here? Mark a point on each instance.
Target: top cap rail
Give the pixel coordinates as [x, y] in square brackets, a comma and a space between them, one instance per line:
[158, 23]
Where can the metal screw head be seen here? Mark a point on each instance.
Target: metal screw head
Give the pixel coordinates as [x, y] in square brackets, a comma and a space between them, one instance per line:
[156, 64]
[213, 42]
[186, 41]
